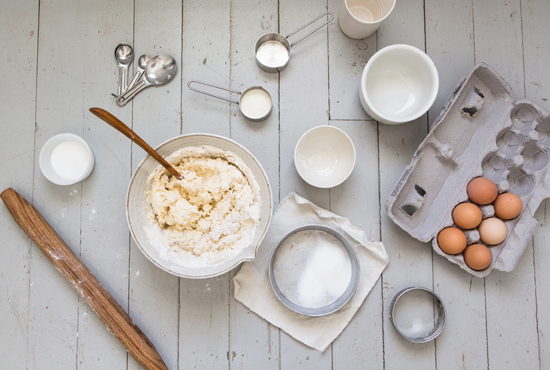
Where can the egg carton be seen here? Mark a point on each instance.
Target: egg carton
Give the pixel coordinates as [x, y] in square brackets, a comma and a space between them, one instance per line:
[480, 132]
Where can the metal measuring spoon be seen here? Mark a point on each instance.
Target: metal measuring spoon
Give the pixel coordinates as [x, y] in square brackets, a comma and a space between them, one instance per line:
[158, 71]
[124, 55]
[141, 64]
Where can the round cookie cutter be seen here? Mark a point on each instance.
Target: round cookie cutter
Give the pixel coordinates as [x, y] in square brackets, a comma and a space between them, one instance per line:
[275, 50]
[439, 324]
[339, 302]
[263, 112]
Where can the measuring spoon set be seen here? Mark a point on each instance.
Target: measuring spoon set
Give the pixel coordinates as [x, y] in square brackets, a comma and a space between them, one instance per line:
[149, 72]
[272, 53]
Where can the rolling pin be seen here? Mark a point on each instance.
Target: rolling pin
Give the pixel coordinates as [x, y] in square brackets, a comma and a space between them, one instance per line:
[81, 279]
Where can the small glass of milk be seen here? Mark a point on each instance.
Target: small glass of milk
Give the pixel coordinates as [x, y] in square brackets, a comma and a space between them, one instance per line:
[66, 159]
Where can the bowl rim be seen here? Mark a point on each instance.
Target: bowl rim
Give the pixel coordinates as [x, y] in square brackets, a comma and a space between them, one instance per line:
[262, 236]
[309, 132]
[431, 66]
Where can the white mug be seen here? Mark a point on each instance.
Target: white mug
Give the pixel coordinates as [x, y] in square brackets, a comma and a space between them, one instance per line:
[359, 19]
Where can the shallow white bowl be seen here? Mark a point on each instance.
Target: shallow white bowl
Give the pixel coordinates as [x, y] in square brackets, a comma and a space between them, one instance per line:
[44, 159]
[324, 156]
[137, 207]
[399, 84]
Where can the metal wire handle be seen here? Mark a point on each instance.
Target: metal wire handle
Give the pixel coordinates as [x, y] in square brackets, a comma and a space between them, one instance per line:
[307, 24]
[214, 86]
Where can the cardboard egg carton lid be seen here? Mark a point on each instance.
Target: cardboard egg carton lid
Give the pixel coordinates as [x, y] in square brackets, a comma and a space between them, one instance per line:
[480, 132]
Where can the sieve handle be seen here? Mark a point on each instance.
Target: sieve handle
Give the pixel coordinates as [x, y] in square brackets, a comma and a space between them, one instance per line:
[307, 24]
[214, 86]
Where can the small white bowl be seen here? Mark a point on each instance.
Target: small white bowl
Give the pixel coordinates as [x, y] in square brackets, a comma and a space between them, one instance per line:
[44, 159]
[399, 84]
[324, 156]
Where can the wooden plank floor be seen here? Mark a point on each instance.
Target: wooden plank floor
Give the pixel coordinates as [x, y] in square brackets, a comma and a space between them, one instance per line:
[58, 62]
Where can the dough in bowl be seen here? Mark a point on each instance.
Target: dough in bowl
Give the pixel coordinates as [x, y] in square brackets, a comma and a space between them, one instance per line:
[212, 213]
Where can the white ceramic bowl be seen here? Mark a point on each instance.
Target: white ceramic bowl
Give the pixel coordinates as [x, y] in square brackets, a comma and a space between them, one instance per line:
[399, 84]
[45, 163]
[137, 206]
[324, 156]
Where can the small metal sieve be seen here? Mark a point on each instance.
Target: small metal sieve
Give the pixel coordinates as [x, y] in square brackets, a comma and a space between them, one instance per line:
[273, 50]
[340, 301]
[255, 102]
[439, 318]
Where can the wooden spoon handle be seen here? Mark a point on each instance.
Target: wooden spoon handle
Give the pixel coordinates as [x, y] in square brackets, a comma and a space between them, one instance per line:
[81, 279]
[120, 126]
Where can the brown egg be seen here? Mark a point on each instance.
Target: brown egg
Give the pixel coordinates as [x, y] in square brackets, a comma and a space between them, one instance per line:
[451, 240]
[467, 215]
[508, 206]
[492, 231]
[477, 256]
[482, 191]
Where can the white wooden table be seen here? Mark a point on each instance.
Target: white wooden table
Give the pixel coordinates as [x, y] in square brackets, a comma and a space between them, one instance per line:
[57, 58]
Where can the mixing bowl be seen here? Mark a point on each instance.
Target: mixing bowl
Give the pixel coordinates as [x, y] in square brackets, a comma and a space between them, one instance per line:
[138, 208]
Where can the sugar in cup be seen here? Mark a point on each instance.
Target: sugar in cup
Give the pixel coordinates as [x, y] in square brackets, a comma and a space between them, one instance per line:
[399, 84]
[359, 19]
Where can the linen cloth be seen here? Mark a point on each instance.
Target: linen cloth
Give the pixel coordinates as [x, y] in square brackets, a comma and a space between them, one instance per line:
[253, 289]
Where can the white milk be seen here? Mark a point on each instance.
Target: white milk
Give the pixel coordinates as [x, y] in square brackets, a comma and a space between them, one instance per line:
[255, 103]
[70, 160]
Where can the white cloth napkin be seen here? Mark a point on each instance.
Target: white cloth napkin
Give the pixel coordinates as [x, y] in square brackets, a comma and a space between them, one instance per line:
[252, 287]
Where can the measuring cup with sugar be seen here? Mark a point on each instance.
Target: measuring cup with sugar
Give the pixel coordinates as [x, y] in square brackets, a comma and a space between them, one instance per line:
[254, 103]
[273, 50]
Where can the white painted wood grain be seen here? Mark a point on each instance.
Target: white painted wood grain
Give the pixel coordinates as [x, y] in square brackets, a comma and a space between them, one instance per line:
[536, 51]
[154, 294]
[347, 59]
[542, 280]
[205, 59]
[410, 261]
[304, 104]
[463, 342]
[507, 294]
[254, 343]
[197, 324]
[357, 198]
[19, 30]
[104, 249]
[500, 20]
[53, 311]
[204, 307]
[450, 44]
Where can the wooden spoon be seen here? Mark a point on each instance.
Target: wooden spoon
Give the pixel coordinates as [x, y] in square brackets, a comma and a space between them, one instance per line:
[116, 123]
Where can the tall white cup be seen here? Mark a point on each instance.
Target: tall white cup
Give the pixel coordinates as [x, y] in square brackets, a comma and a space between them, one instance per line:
[359, 19]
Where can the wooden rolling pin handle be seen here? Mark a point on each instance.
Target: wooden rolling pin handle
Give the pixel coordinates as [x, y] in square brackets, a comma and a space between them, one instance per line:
[83, 281]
